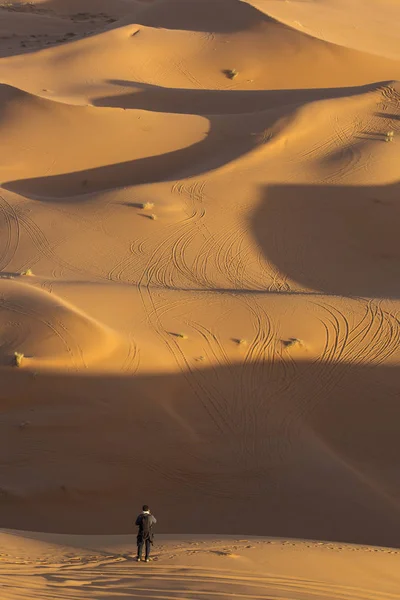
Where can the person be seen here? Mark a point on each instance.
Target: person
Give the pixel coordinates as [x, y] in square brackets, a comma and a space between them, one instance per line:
[145, 536]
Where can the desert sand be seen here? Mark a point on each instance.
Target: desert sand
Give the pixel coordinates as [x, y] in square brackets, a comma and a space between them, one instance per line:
[205, 568]
[200, 297]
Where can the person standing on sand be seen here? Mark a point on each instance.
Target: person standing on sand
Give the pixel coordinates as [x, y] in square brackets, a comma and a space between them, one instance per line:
[145, 522]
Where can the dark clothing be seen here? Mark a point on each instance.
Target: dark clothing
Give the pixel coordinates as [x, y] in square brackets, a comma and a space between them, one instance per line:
[144, 537]
[152, 519]
[140, 545]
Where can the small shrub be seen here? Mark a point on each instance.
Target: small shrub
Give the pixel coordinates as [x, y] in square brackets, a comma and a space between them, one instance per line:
[231, 73]
[291, 342]
[28, 272]
[147, 205]
[389, 136]
[18, 358]
[182, 336]
[240, 342]
[153, 217]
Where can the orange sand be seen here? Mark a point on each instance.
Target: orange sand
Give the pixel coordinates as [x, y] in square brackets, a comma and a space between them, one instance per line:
[202, 275]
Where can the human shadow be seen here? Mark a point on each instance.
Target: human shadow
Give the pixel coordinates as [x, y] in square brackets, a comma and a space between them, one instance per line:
[336, 239]
[311, 446]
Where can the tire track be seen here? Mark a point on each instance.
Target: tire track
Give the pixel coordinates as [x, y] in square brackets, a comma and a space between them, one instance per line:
[225, 250]
[350, 147]
[201, 261]
[324, 147]
[198, 271]
[12, 336]
[337, 335]
[179, 65]
[179, 252]
[381, 337]
[12, 237]
[390, 94]
[203, 482]
[132, 361]
[250, 387]
[167, 258]
[46, 249]
[159, 253]
[298, 406]
[372, 340]
[169, 581]
[207, 400]
[216, 349]
[53, 326]
[258, 373]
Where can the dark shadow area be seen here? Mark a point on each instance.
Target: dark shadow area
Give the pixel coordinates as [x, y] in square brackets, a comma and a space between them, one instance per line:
[226, 140]
[341, 240]
[219, 147]
[207, 16]
[192, 290]
[187, 162]
[372, 135]
[54, 21]
[150, 217]
[139, 205]
[10, 274]
[218, 102]
[48, 27]
[312, 447]
[389, 116]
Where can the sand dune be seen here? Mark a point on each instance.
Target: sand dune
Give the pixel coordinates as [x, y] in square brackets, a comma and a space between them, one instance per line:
[190, 45]
[52, 128]
[48, 331]
[206, 195]
[361, 29]
[210, 567]
[265, 420]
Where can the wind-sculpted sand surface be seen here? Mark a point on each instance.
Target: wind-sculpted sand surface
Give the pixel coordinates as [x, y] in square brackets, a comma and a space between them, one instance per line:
[200, 296]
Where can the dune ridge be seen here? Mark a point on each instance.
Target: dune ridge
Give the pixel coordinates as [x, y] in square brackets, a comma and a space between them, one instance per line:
[191, 55]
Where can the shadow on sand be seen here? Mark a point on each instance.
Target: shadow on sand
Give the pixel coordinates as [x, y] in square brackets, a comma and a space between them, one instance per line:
[311, 448]
[229, 137]
[218, 102]
[341, 240]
